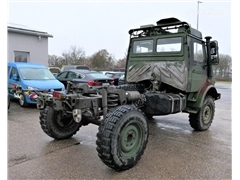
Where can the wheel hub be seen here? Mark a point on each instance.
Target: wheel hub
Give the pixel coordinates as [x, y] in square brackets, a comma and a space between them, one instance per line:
[207, 113]
[130, 140]
[63, 121]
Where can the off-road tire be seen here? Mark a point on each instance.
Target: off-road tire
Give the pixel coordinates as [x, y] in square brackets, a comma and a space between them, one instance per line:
[22, 100]
[122, 137]
[56, 126]
[203, 119]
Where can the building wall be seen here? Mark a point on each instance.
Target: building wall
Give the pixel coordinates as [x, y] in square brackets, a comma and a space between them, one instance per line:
[37, 49]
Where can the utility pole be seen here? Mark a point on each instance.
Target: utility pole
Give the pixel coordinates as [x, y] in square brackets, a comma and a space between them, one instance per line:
[196, 50]
[198, 12]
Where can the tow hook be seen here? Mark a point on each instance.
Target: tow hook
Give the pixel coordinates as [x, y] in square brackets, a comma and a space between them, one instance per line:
[77, 115]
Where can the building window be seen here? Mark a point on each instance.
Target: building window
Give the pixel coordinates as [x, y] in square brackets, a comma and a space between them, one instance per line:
[21, 56]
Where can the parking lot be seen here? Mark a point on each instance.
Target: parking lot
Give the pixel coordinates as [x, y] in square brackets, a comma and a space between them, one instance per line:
[174, 150]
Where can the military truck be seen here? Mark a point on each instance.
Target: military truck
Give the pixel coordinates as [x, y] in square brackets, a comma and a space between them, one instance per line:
[168, 70]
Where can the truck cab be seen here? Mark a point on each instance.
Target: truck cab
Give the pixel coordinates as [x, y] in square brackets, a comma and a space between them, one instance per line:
[173, 57]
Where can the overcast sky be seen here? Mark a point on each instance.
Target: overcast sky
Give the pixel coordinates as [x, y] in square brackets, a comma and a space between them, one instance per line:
[104, 25]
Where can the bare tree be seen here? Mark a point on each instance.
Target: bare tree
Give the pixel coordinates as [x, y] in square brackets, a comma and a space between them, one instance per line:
[121, 63]
[224, 67]
[54, 60]
[74, 56]
[102, 60]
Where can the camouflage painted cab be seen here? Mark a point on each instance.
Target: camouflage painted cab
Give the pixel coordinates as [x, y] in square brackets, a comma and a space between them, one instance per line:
[172, 57]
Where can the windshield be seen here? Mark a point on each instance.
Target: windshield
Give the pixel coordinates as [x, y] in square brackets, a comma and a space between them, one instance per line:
[36, 74]
[145, 46]
[98, 75]
[169, 44]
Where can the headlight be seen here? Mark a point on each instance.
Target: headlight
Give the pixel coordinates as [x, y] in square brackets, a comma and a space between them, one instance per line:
[31, 88]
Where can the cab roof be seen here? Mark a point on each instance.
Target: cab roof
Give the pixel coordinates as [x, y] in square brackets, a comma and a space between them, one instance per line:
[163, 26]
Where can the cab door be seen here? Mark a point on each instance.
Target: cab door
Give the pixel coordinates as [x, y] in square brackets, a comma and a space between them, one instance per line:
[198, 68]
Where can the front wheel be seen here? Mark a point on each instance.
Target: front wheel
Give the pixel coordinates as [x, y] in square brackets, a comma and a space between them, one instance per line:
[203, 119]
[58, 125]
[22, 100]
[122, 137]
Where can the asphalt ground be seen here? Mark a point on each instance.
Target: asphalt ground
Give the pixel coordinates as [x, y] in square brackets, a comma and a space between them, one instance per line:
[174, 149]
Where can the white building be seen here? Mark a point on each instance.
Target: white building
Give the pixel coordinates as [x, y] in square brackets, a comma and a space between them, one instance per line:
[27, 45]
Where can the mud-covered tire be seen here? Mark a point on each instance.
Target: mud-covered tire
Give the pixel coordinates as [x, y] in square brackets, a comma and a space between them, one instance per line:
[122, 137]
[203, 119]
[22, 100]
[57, 126]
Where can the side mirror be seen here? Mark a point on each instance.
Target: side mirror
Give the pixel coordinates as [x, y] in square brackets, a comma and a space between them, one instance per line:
[15, 77]
[214, 53]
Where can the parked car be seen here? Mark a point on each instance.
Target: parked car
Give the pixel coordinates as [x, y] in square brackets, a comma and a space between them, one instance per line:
[31, 76]
[54, 70]
[104, 72]
[92, 78]
[70, 67]
[121, 80]
[115, 76]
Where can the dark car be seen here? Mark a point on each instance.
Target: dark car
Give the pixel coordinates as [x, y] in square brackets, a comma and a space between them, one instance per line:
[92, 78]
[115, 76]
[70, 67]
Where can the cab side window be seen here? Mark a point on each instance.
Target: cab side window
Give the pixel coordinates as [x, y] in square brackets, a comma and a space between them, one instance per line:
[198, 52]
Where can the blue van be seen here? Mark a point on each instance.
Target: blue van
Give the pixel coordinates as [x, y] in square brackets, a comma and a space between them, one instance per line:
[31, 76]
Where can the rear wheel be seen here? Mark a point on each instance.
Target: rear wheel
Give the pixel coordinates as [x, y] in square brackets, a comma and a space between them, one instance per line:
[203, 119]
[122, 137]
[57, 125]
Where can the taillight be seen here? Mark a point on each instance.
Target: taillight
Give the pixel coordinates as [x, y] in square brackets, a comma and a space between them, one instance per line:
[58, 95]
[13, 85]
[93, 83]
[112, 82]
[97, 83]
